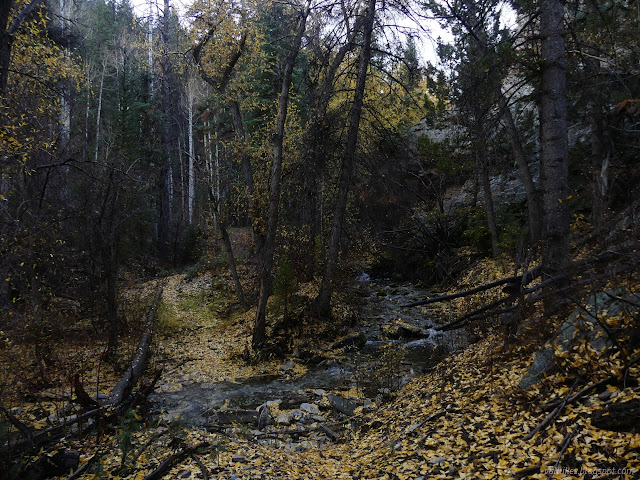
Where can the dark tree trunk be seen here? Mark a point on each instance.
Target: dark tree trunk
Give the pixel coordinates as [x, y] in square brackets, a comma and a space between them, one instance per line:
[111, 265]
[168, 140]
[317, 141]
[323, 301]
[489, 209]
[553, 125]
[275, 188]
[533, 199]
[226, 242]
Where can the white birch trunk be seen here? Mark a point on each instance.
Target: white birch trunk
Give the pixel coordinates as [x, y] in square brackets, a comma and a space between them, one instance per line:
[192, 189]
[98, 113]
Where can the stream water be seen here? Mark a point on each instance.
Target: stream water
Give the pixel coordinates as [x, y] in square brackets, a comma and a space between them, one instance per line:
[414, 350]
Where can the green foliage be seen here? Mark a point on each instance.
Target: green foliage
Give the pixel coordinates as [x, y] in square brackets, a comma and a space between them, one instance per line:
[218, 447]
[441, 157]
[130, 424]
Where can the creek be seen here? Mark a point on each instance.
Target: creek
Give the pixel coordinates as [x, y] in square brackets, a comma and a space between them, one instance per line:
[390, 346]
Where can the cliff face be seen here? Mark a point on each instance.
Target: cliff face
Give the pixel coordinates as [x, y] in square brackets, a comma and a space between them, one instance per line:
[506, 189]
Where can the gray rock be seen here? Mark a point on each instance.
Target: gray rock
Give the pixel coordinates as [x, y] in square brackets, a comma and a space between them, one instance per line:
[318, 418]
[284, 418]
[403, 330]
[310, 408]
[288, 367]
[580, 325]
[355, 340]
[437, 460]
[343, 405]
[238, 416]
[264, 417]
[238, 459]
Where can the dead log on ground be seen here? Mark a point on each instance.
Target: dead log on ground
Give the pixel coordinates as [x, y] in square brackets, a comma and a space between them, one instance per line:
[135, 370]
[118, 399]
[172, 459]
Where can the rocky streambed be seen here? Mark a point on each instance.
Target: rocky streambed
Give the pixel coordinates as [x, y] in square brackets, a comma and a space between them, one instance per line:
[388, 347]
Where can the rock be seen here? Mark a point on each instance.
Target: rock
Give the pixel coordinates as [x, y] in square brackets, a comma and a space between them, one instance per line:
[355, 340]
[284, 418]
[310, 408]
[400, 329]
[264, 417]
[316, 360]
[185, 474]
[320, 392]
[605, 395]
[318, 418]
[437, 460]
[288, 367]
[343, 405]
[578, 326]
[238, 459]
[296, 415]
[329, 432]
[238, 416]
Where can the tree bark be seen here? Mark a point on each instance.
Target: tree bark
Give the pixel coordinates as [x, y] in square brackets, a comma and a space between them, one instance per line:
[534, 208]
[191, 175]
[554, 144]
[275, 188]
[323, 301]
[226, 242]
[135, 370]
[489, 209]
[166, 179]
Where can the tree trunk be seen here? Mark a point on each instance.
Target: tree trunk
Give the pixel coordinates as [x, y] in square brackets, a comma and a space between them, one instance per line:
[191, 178]
[228, 248]
[316, 140]
[166, 182]
[238, 126]
[99, 111]
[533, 201]
[111, 264]
[5, 44]
[275, 188]
[481, 156]
[323, 301]
[554, 144]
[136, 368]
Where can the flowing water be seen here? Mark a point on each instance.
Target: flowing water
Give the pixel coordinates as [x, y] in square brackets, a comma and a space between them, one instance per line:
[394, 360]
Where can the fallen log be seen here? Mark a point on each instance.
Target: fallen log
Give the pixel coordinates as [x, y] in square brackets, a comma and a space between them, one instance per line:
[172, 459]
[118, 397]
[466, 293]
[124, 387]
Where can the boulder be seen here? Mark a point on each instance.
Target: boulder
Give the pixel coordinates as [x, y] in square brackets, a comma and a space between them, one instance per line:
[310, 408]
[400, 329]
[580, 325]
[354, 340]
[343, 405]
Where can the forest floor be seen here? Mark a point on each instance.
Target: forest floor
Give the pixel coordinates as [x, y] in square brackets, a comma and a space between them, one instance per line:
[465, 417]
